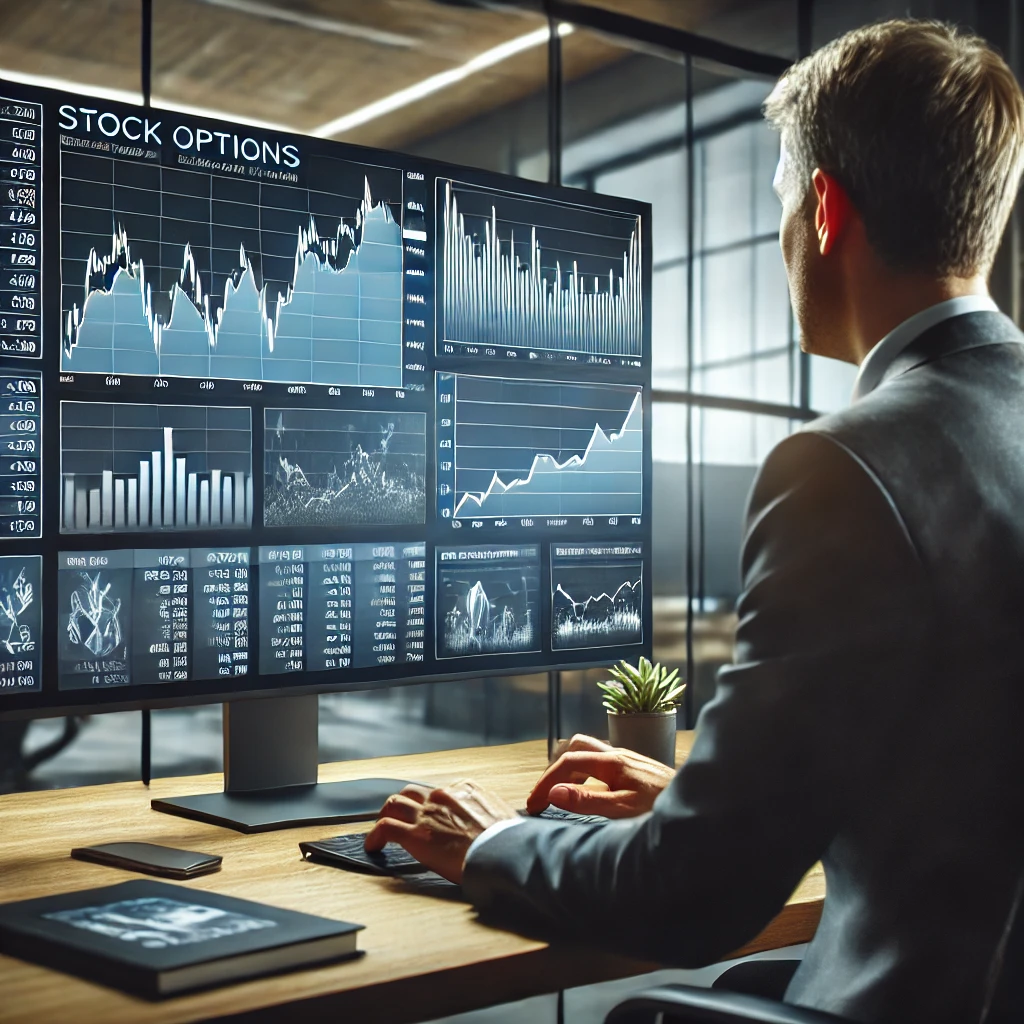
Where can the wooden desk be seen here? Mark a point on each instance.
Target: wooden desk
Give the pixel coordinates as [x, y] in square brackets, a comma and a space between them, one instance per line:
[427, 955]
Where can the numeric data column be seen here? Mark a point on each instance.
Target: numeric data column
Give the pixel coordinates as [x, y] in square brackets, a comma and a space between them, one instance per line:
[21, 455]
[220, 612]
[160, 623]
[282, 604]
[21, 211]
[329, 633]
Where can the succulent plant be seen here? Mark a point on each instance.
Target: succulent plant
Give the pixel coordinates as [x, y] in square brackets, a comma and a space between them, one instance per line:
[645, 689]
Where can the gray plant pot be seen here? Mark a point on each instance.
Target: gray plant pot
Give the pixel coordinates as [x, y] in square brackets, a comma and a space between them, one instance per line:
[651, 734]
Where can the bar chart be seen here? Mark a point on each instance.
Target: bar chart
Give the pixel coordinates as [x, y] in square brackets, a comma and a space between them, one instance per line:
[518, 272]
[154, 467]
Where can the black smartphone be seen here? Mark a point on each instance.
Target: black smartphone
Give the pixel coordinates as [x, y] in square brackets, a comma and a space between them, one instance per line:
[150, 859]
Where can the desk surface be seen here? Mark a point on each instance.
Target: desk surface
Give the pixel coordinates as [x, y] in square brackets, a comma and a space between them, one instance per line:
[413, 930]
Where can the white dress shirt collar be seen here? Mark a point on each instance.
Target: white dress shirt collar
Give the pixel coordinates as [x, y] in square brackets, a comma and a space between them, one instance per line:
[880, 358]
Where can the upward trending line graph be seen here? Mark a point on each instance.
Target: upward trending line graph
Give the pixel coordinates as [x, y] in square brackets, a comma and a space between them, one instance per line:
[571, 283]
[606, 475]
[535, 449]
[336, 319]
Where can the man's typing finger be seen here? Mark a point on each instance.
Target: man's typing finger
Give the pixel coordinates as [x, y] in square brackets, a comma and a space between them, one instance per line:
[581, 741]
[401, 808]
[574, 767]
[614, 803]
[388, 830]
[421, 794]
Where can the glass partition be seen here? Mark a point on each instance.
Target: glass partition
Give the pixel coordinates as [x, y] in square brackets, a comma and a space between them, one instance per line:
[471, 86]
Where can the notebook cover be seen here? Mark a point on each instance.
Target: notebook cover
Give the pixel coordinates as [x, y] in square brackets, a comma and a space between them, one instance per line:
[130, 934]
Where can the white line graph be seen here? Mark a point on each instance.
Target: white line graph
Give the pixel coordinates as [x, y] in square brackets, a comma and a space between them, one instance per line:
[538, 448]
[610, 614]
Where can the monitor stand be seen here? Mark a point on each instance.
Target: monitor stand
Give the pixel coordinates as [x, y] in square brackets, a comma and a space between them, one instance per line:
[271, 759]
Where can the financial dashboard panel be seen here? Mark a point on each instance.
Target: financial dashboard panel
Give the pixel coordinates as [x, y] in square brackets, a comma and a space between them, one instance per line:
[280, 414]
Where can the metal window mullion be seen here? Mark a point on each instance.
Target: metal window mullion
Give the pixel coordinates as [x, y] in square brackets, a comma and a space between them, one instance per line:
[555, 125]
[688, 698]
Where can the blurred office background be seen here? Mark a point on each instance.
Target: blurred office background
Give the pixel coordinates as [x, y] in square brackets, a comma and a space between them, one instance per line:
[647, 111]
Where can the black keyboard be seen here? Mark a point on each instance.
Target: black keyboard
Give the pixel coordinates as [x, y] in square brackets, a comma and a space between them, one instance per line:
[557, 814]
[349, 852]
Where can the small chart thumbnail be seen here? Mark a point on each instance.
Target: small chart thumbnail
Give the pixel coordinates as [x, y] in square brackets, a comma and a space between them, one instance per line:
[522, 272]
[335, 467]
[154, 467]
[94, 597]
[194, 274]
[21, 623]
[596, 595]
[488, 600]
[525, 448]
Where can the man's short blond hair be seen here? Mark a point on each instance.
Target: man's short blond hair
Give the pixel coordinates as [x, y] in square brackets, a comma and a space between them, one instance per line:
[923, 126]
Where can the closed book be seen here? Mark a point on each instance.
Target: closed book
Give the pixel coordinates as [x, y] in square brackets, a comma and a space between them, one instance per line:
[157, 940]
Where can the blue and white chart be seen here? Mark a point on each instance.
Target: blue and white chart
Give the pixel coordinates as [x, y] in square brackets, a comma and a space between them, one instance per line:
[170, 272]
[538, 449]
[154, 467]
[518, 272]
[596, 595]
[340, 467]
[488, 600]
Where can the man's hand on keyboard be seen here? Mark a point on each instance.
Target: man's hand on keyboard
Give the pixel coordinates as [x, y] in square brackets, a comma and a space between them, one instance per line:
[633, 781]
[437, 826]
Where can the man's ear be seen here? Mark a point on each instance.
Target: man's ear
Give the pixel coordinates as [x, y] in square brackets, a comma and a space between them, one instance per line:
[832, 210]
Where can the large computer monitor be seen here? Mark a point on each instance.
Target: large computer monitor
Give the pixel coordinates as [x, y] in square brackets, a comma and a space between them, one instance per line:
[281, 416]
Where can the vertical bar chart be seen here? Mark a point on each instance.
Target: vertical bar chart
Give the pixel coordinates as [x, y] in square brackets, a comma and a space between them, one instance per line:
[518, 272]
[154, 467]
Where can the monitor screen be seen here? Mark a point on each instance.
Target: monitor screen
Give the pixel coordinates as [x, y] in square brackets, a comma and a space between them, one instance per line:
[280, 414]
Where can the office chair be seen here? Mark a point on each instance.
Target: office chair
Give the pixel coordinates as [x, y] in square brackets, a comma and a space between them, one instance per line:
[750, 991]
[681, 1004]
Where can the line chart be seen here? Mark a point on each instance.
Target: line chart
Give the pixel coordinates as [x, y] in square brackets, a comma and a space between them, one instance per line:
[519, 272]
[175, 273]
[596, 596]
[538, 448]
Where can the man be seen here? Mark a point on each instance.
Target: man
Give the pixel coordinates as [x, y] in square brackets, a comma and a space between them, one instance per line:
[874, 714]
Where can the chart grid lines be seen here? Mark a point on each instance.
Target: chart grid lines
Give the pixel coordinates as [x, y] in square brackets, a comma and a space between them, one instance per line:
[197, 474]
[506, 289]
[194, 285]
[579, 450]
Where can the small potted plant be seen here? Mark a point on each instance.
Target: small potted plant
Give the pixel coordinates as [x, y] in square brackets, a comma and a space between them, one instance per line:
[641, 704]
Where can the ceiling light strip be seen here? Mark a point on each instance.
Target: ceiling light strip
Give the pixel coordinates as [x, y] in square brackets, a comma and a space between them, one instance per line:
[435, 83]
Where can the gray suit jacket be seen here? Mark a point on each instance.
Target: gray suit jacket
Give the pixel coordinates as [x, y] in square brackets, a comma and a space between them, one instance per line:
[873, 719]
